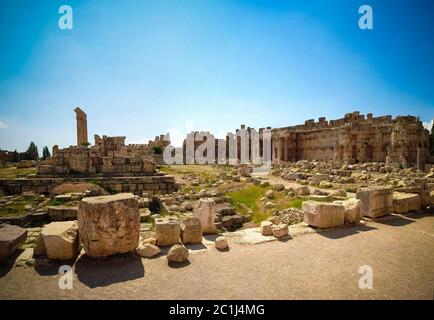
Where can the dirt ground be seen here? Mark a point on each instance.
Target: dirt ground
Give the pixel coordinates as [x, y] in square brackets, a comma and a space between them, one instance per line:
[323, 265]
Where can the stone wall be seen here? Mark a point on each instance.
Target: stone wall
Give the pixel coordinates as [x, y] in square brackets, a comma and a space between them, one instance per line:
[401, 142]
[152, 185]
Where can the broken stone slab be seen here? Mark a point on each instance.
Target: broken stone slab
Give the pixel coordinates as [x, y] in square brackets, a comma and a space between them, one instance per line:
[322, 214]
[405, 202]
[167, 231]
[302, 191]
[221, 243]
[62, 213]
[60, 241]
[25, 258]
[63, 197]
[205, 210]
[109, 224]
[148, 250]
[11, 238]
[316, 179]
[177, 253]
[191, 230]
[375, 201]
[352, 209]
[280, 231]
[266, 228]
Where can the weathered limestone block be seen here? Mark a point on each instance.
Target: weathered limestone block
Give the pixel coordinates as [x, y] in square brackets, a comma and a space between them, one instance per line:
[148, 250]
[280, 230]
[303, 191]
[61, 240]
[177, 253]
[11, 238]
[352, 209]
[109, 224]
[167, 232]
[405, 202]
[266, 228]
[316, 179]
[62, 213]
[206, 212]
[191, 230]
[375, 201]
[221, 243]
[323, 214]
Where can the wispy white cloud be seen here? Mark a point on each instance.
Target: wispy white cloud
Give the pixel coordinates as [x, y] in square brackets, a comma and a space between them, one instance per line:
[428, 125]
[3, 125]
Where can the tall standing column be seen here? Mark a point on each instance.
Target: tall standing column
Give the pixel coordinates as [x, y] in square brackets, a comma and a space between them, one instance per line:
[81, 127]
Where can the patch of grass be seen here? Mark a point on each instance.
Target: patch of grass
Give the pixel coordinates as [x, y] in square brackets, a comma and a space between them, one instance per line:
[13, 172]
[248, 197]
[55, 202]
[15, 209]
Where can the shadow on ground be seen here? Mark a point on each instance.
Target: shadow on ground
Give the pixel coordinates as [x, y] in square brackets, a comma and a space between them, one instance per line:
[344, 232]
[7, 265]
[394, 220]
[101, 272]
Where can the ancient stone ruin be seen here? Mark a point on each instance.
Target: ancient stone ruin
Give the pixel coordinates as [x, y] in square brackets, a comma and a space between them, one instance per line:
[401, 142]
[116, 166]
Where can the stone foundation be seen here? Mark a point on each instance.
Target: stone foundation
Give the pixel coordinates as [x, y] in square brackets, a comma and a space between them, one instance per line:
[152, 185]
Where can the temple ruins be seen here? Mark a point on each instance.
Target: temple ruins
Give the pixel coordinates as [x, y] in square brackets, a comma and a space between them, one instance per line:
[400, 143]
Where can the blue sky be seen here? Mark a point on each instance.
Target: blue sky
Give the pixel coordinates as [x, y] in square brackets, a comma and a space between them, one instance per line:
[141, 68]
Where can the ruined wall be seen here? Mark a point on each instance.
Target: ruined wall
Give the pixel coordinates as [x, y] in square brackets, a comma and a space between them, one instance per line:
[399, 142]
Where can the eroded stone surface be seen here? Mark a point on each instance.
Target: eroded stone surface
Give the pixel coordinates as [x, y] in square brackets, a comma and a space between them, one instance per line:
[61, 240]
[405, 202]
[375, 201]
[177, 253]
[11, 238]
[206, 212]
[322, 214]
[167, 231]
[352, 209]
[191, 230]
[109, 224]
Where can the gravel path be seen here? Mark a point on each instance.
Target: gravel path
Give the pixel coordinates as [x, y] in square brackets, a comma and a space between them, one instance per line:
[312, 266]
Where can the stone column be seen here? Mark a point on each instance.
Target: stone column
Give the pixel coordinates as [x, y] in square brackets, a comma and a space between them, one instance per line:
[81, 127]
[418, 159]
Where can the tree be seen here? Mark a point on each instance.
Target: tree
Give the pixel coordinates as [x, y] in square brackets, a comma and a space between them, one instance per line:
[431, 140]
[15, 157]
[32, 152]
[45, 153]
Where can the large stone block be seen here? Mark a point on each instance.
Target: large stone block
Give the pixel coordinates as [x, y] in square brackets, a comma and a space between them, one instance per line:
[60, 240]
[375, 201]
[167, 231]
[352, 209]
[109, 224]
[11, 238]
[206, 212]
[191, 230]
[405, 202]
[323, 214]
